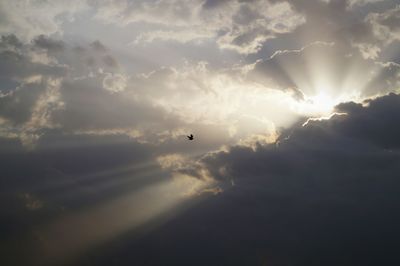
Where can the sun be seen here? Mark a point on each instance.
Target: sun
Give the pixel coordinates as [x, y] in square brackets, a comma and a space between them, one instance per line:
[320, 104]
[323, 103]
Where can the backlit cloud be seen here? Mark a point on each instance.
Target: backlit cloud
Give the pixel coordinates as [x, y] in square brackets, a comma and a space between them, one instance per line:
[293, 106]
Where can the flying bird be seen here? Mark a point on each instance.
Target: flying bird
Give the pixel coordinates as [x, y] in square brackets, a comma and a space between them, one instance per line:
[190, 137]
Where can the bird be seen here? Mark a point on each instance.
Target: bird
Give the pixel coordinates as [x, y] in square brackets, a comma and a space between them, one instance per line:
[190, 137]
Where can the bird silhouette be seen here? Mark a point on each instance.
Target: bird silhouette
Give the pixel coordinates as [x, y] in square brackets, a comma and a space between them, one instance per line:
[190, 137]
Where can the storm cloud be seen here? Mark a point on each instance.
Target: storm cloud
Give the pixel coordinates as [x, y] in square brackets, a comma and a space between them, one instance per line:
[294, 107]
[325, 193]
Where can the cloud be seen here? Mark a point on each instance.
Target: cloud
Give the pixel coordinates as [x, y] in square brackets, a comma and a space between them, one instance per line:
[54, 85]
[100, 129]
[321, 188]
[254, 24]
[73, 89]
[98, 46]
[10, 41]
[326, 194]
[33, 91]
[19, 65]
[361, 24]
[41, 75]
[114, 83]
[28, 19]
[372, 123]
[97, 97]
[48, 44]
[357, 134]
[353, 3]
[90, 106]
[236, 25]
[385, 25]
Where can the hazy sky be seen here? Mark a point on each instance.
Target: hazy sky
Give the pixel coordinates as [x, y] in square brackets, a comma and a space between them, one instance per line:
[293, 105]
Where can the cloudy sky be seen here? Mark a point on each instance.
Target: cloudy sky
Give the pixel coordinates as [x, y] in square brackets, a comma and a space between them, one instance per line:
[295, 110]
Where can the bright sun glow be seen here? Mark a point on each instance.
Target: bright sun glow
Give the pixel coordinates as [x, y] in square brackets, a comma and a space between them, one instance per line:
[321, 104]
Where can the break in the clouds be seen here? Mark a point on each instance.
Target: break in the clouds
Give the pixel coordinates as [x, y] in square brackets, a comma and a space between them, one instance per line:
[291, 103]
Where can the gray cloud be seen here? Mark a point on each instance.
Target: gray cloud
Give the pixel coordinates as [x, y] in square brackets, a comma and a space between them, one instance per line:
[327, 194]
[364, 31]
[384, 27]
[96, 98]
[18, 66]
[90, 106]
[80, 90]
[44, 73]
[356, 134]
[98, 46]
[236, 25]
[18, 106]
[32, 18]
[11, 40]
[48, 44]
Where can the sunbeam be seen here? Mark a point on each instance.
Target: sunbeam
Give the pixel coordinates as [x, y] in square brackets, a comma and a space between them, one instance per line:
[74, 233]
[292, 109]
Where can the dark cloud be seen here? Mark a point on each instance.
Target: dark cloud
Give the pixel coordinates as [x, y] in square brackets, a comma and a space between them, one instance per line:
[88, 58]
[98, 46]
[110, 61]
[64, 173]
[25, 77]
[84, 101]
[17, 107]
[81, 126]
[362, 133]
[15, 65]
[10, 41]
[327, 194]
[375, 123]
[48, 44]
[213, 3]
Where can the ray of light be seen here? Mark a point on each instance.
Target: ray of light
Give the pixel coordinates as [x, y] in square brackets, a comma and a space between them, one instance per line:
[326, 77]
[71, 235]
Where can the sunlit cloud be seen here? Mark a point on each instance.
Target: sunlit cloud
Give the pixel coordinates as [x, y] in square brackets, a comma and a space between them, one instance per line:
[97, 99]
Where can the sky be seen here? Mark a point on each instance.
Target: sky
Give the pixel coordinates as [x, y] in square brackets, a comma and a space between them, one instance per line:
[295, 110]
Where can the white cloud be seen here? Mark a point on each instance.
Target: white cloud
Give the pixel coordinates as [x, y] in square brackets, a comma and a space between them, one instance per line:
[386, 25]
[114, 82]
[235, 25]
[27, 19]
